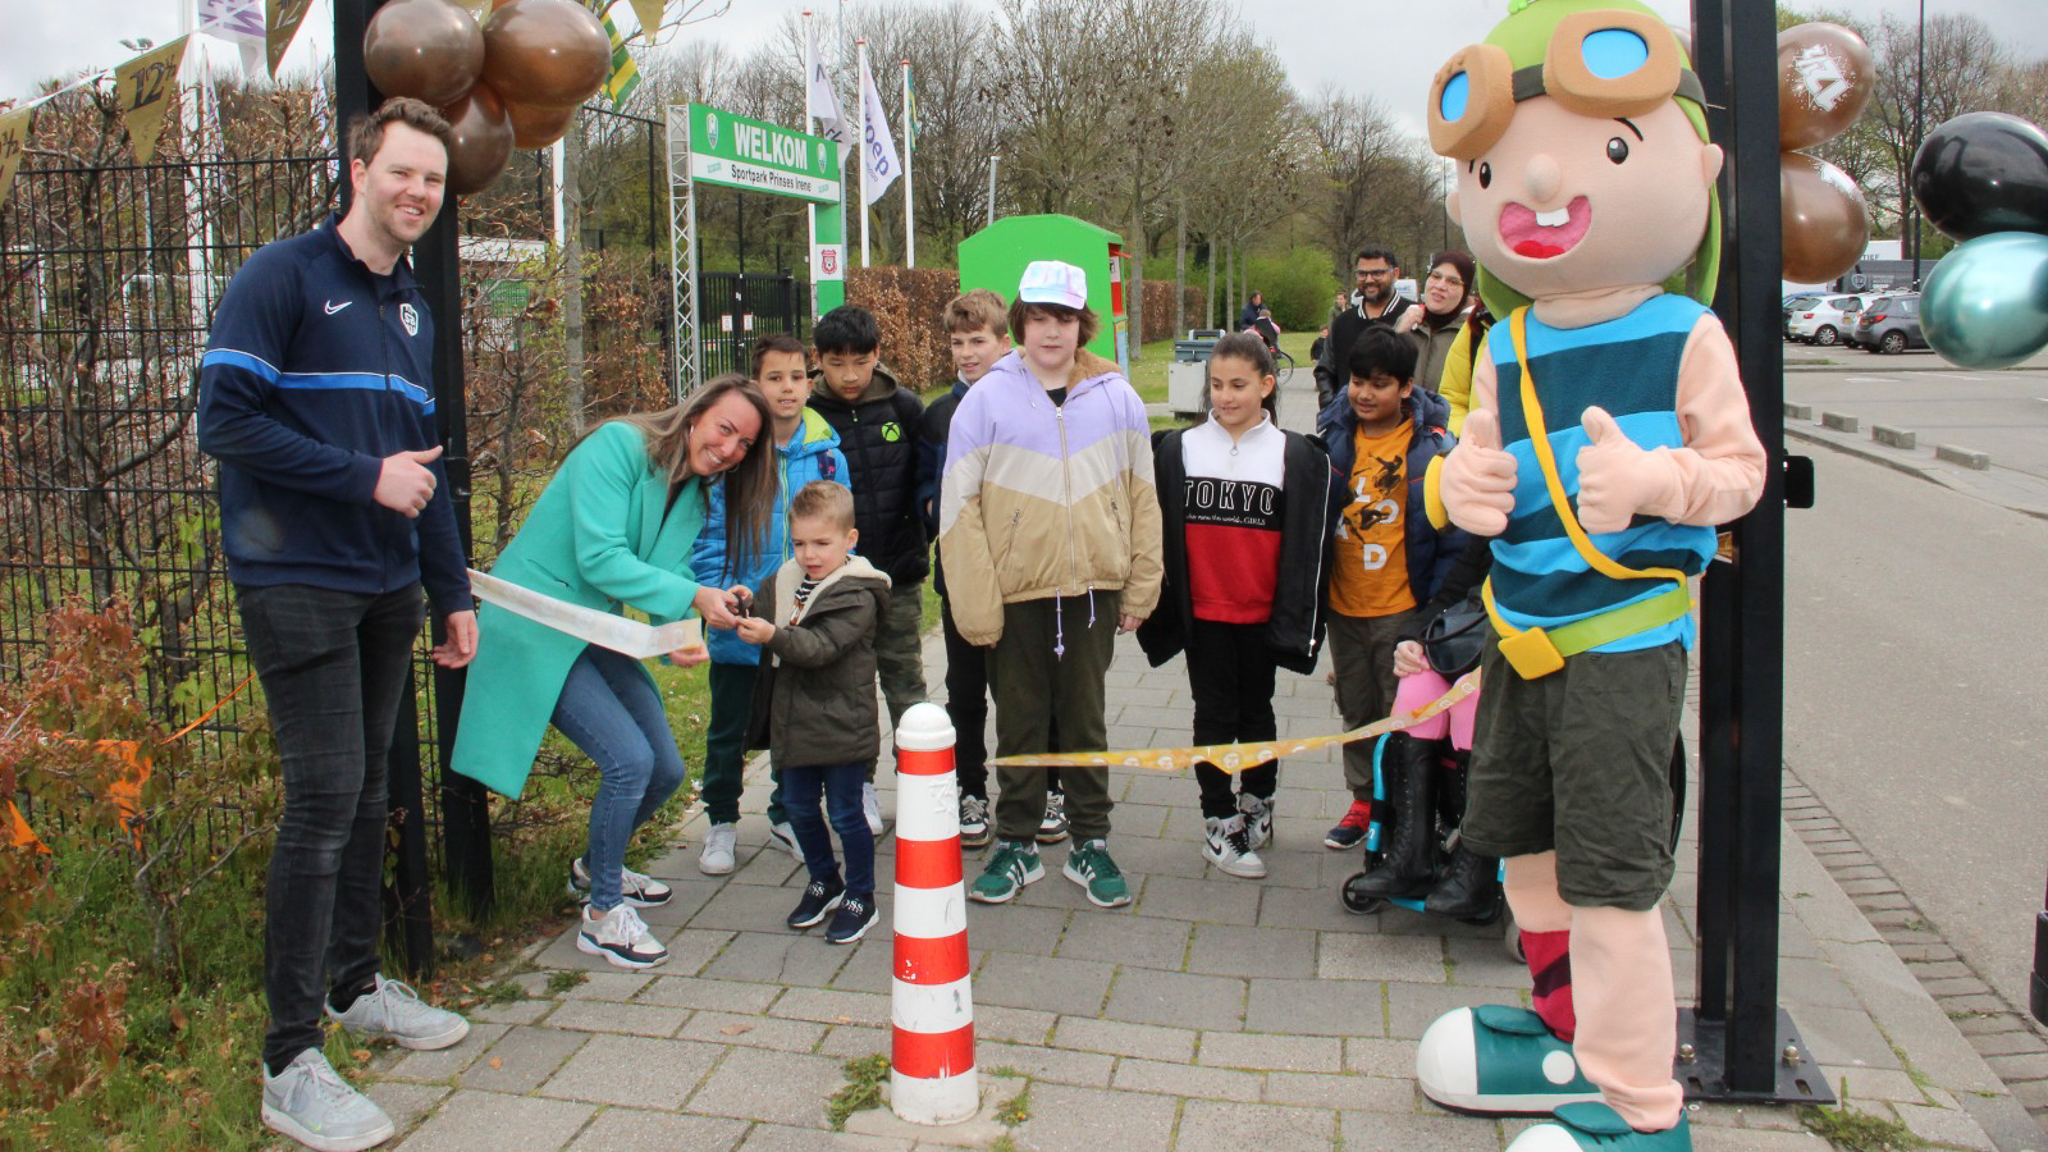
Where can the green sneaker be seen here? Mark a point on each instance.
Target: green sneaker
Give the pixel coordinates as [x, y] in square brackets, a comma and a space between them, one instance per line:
[1091, 868]
[1597, 1128]
[1498, 1061]
[1014, 865]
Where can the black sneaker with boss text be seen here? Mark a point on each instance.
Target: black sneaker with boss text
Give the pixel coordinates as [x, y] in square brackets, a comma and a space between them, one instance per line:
[856, 915]
[818, 902]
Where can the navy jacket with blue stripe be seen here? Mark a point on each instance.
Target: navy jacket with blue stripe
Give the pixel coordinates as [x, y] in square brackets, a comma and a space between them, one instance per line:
[317, 370]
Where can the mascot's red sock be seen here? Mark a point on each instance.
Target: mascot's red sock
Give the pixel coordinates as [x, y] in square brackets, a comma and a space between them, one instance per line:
[1550, 964]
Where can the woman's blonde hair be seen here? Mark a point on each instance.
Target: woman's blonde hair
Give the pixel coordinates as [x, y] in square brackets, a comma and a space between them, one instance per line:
[749, 484]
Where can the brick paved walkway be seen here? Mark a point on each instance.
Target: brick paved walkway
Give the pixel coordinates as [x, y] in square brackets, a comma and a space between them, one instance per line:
[1215, 1013]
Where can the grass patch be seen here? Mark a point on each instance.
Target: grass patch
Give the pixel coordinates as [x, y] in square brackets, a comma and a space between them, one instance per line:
[503, 992]
[1016, 1111]
[1852, 1131]
[567, 978]
[863, 1089]
[185, 1073]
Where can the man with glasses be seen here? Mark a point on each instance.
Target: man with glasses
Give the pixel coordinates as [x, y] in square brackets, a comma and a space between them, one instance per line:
[1376, 303]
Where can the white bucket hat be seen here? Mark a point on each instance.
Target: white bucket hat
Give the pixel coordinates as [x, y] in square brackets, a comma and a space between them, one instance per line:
[1054, 282]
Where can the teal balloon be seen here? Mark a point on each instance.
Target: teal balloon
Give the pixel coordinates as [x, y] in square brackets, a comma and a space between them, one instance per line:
[1986, 303]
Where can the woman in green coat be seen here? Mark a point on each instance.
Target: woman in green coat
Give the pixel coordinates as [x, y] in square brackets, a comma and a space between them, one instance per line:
[614, 527]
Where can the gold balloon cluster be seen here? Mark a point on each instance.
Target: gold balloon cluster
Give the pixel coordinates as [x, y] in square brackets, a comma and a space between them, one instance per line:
[513, 82]
[1825, 78]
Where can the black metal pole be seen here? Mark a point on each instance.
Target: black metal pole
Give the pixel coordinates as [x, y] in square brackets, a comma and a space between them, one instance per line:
[1919, 107]
[1737, 1036]
[463, 805]
[409, 901]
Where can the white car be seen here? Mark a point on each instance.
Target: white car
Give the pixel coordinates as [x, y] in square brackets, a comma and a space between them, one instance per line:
[1825, 321]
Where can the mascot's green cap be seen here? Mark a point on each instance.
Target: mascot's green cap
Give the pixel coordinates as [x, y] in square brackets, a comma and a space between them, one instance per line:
[1598, 58]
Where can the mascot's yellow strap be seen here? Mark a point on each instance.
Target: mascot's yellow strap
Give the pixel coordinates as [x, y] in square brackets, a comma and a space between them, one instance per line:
[1234, 758]
[1636, 617]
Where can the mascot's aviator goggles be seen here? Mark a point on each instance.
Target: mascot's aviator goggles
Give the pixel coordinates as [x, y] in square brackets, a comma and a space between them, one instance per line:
[1604, 64]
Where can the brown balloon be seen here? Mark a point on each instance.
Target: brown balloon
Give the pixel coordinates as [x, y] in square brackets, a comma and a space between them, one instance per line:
[428, 49]
[536, 125]
[545, 53]
[480, 140]
[1825, 78]
[1825, 222]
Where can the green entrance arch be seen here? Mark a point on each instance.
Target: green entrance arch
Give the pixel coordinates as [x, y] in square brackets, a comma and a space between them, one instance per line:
[712, 146]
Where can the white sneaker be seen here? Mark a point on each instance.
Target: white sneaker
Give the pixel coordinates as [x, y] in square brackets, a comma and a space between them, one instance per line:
[312, 1104]
[719, 844]
[1258, 818]
[784, 837]
[393, 1011]
[620, 937]
[637, 889]
[1228, 846]
[871, 804]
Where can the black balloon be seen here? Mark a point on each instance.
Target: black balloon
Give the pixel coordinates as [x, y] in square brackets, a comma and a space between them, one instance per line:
[1983, 172]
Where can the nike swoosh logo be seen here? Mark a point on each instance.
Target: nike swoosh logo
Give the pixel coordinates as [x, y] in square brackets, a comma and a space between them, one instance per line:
[332, 307]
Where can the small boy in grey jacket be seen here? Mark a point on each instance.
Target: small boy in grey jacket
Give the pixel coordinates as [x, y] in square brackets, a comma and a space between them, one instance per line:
[814, 702]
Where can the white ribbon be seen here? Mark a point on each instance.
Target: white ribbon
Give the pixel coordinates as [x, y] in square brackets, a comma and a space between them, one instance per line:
[630, 637]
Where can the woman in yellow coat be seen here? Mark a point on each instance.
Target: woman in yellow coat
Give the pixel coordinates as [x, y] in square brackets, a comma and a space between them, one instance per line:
[614, 527]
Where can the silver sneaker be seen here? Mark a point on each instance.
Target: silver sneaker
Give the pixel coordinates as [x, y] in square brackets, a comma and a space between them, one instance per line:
[312, 1104]
[636, 888]
[1053, 827]
[1228, 846]
[720, 844]
[974, 829]
[1258, 818]
[871, 806]
[393, 1011]
[784, 837]
[620, 937]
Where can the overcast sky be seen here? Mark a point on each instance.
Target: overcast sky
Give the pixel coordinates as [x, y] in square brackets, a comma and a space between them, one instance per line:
[1408, 41]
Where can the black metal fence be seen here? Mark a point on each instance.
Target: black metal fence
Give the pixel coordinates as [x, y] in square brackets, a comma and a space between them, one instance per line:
[735, 309]
[109, 276]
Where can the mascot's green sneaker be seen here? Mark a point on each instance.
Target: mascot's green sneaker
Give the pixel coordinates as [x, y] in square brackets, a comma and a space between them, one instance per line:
[1597, 1128]
[1497, 1060]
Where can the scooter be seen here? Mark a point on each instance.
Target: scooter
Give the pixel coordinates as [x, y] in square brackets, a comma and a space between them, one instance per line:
[1449, 810]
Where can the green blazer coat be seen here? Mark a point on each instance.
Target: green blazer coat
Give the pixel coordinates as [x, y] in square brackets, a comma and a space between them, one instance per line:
[602, 534]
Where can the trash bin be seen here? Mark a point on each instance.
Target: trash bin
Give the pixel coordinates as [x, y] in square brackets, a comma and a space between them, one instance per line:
[1187, 378]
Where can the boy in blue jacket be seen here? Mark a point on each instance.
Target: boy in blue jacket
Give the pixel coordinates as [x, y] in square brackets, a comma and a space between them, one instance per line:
[1384, 436]
[806, 449]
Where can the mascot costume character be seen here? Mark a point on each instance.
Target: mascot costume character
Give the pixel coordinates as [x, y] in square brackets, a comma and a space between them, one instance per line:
[1609, 434]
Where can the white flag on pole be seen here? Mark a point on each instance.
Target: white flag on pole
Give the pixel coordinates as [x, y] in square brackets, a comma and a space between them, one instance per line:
[820, 100]
[877, 144]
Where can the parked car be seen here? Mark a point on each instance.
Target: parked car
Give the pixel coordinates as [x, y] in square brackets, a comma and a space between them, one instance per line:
[1796, 303]
[1889, 324]
[1825, 320]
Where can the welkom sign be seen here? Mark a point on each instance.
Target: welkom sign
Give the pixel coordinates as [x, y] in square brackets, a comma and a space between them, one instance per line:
[712, 146]
[742, 153]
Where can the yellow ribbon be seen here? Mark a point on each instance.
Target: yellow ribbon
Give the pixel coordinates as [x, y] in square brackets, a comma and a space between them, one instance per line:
[1234, 758]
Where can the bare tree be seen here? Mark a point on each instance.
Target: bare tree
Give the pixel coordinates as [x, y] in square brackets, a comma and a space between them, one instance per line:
[1964, 59]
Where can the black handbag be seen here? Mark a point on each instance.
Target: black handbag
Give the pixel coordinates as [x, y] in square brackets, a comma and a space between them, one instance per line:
[1453, 640]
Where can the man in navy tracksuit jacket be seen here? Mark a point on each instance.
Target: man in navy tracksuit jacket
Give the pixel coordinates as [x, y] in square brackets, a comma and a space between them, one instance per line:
[316, 398]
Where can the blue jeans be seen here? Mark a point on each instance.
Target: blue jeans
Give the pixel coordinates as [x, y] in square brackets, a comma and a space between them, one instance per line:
[333, 667]
[840, 784]
[610, 709]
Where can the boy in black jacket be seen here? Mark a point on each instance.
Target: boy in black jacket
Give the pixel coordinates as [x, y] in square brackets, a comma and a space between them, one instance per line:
[878, 424]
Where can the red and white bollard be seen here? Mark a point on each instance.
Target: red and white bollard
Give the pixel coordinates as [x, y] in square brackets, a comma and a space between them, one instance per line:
[931, 1067]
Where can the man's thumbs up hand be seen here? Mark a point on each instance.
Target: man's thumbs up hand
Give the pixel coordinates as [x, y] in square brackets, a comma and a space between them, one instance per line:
[1478, 479]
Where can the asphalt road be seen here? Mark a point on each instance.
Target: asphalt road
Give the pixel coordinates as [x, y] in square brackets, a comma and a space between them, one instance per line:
[1916, 654]
[2004, 412]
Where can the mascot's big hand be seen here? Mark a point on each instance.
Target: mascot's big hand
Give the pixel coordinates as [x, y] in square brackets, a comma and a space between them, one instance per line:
[1478, 479]
[1617, 478]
